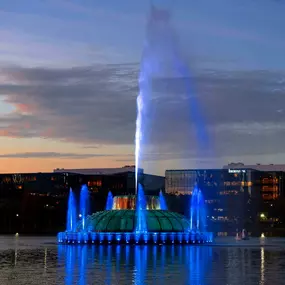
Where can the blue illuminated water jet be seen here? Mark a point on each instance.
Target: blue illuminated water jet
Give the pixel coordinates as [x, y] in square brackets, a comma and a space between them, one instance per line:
[197, 211]
[71, 213]
[109, 203]
[162, 202]
[94, 230]
[144, 82]
[84, 205]
[138, 137]
[141, 226]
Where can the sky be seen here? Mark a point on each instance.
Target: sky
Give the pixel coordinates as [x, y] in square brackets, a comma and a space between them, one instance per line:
[69, 74]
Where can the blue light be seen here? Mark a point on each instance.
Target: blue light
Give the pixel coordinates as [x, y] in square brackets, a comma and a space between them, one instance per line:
[84, 205]
[180, 237]
[141, 226]
[154, 237]
[145, 238]
[163, 237]
[109, 203]
[197, 211]
[118, 237]
[162, 202]
[137, 238]
[71, 213]
[128, 237]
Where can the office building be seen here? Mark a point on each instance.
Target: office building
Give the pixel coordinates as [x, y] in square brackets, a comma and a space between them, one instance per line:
[37, 202]
[231, 197]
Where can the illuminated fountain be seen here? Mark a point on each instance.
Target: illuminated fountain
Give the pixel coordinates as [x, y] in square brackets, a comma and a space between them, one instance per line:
[71, 221]
[140, 219]
[109, 203]
[197, 211]
[141, 225]
[162, 202]
[84, 205]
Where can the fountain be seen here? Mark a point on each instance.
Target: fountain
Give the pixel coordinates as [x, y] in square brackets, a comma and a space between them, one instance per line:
[137, 219]
[84, 205]
[109, 203]
[141, 226]
[133, 219]
[197, 211]
[162, 202]
[71, 213]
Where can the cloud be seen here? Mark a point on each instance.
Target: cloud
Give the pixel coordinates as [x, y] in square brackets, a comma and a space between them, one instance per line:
[91, 146]
[96, 105]
[17, 46]
[53, 155]
[204, 114]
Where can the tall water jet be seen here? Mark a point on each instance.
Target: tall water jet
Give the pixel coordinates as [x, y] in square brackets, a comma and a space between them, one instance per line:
[141, 226]
[84, 205]
[193, 204]
[71, 213]
[202, 211]
[138, 137]
[109, 203]
[197, 211]
[162, 202]
[144, 82]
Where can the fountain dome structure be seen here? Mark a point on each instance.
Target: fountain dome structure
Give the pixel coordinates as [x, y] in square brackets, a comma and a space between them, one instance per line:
[125, 221]
[135, 219]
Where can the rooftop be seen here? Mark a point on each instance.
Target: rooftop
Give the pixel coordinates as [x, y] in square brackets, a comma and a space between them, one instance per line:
[102, 171]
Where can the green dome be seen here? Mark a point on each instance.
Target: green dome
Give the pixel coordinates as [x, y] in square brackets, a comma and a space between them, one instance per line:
[125, 221]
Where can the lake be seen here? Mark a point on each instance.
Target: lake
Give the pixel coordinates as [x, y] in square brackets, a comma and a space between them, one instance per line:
[39, 260]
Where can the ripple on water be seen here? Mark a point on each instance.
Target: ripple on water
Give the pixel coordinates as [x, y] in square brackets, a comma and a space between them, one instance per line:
[28, 260]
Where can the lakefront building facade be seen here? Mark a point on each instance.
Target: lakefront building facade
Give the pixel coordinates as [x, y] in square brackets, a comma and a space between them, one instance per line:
[237, 195]
[36, 202]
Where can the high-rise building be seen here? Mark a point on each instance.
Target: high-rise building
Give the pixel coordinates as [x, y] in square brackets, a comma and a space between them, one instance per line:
[230, 194]
[269, 178]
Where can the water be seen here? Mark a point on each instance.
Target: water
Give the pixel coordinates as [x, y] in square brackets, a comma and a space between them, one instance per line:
[202, 212]
[197, 211]
[109, 203]
[71, 213]
[141, 226]
[39, 260]
[162, 202]
[146, 69]
[138, 136]
[84, 205]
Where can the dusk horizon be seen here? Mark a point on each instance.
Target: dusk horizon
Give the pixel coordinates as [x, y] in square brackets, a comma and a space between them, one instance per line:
[69, 83]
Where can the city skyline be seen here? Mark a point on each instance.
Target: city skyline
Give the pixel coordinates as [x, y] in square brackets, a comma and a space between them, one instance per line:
[68, 85]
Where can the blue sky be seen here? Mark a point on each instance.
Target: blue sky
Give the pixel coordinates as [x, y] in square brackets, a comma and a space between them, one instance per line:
[224, 37]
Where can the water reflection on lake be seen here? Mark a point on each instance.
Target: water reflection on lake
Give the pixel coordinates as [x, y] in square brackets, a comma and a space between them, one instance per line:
[27, 260]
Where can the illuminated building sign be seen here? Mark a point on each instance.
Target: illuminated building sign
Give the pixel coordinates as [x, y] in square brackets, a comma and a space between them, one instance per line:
[236, 171]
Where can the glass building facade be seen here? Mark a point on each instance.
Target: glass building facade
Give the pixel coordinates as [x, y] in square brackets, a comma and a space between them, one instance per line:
[230, 195]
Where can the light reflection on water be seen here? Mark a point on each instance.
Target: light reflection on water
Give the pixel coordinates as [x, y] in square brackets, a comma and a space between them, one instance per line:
[41, 261]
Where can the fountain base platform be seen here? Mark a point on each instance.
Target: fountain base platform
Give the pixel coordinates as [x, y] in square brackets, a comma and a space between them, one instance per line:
[134, 238]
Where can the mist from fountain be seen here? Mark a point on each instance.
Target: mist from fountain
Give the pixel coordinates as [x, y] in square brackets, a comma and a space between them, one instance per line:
[162, 202]
[71, 213]
[197, 211]
[109, 203]
[141, 226]
[84, 205]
